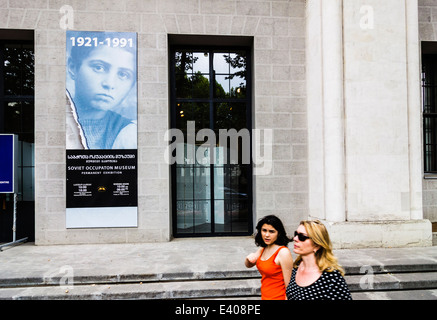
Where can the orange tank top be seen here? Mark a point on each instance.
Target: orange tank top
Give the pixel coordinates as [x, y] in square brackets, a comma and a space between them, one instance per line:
[272, 279]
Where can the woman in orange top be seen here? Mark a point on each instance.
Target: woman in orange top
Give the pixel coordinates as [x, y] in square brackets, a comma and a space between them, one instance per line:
[273, 259]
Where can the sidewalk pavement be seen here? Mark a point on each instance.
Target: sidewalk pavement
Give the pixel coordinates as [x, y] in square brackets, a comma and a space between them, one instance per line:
[194, 255]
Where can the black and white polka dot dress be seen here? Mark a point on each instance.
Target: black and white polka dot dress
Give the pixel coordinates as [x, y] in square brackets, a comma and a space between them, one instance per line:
[330, 286]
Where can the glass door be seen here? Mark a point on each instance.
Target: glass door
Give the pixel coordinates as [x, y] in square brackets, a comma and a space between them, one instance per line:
[210, 105]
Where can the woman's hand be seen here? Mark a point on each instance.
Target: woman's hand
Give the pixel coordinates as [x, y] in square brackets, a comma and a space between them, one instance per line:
[252, 258]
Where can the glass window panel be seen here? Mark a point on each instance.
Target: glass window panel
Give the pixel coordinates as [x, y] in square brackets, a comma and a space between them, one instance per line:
[184, 183]
[223, 116]
[429, 78]
[183, 114]
[200, 85]
[27, 70]
[202, 216]
[18, 69]
[230, 116]
[190, 154]
[219, 215]
[242, 184]
[13, 115]
[19, 117]
[233, 192]
[183, 62]
[201, 112]
[238, 87]
[28, 110]
[238, 116]
[239, 216]
[203, 155]
[219, 183]
[219, 155]
[26, 136]
[193, 216]
[430, 140]
[230, 194]
[201, 62]
[27, 185]
[237, 62]
[221, 89]
[220, 63]
[28, 154]
[236, 215]
[184, 86]
[192, 75]
[236, 147]
[202, 182]
[12, 70]
[197, 112]
[185, 219]
[231, 215]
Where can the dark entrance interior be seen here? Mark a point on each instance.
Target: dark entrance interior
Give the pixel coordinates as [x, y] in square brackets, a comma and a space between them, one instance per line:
[17, 117]
[210, 85]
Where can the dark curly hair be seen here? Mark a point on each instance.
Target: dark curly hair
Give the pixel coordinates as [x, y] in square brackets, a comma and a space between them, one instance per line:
[276, 223]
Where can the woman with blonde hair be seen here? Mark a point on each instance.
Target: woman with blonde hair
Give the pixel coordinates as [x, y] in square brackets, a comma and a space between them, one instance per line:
[316, 273]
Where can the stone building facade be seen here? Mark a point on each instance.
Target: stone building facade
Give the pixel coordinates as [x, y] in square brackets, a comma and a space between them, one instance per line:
[338, 83]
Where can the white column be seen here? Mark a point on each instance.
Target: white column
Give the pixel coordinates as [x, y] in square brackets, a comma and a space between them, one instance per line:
[414, 107]
[314, 85]
[333, 108]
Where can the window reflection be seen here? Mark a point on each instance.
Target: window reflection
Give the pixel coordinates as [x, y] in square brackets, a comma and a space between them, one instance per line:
[18, 70]
[193, 78]
[220, 64]
[194, 111]
[201, 62]
[230, 115]
[230, 74]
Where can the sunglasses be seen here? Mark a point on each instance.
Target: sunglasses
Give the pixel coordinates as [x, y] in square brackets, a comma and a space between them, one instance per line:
[301, 236]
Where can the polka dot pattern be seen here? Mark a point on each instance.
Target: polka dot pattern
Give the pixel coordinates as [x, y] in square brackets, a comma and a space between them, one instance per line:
[329, 286]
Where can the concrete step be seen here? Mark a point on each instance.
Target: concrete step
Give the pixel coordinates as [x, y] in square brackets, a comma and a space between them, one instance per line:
[148, 290]
[392, 281]
[214, 286]
[430, 294]
[108, 279]
[54, 278]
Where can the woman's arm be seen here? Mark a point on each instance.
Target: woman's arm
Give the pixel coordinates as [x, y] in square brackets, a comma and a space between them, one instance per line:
[251, 259]
[285, 260]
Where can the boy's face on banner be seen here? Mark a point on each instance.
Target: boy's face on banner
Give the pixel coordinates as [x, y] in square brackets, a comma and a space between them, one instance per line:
[104, 78]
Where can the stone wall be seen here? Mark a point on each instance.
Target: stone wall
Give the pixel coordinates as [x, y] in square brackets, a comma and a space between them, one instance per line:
[279, 103]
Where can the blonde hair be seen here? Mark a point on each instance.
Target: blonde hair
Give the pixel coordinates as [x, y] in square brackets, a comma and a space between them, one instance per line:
[325, 258]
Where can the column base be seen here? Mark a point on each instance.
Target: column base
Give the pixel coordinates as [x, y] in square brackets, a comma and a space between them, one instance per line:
[384, 234]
